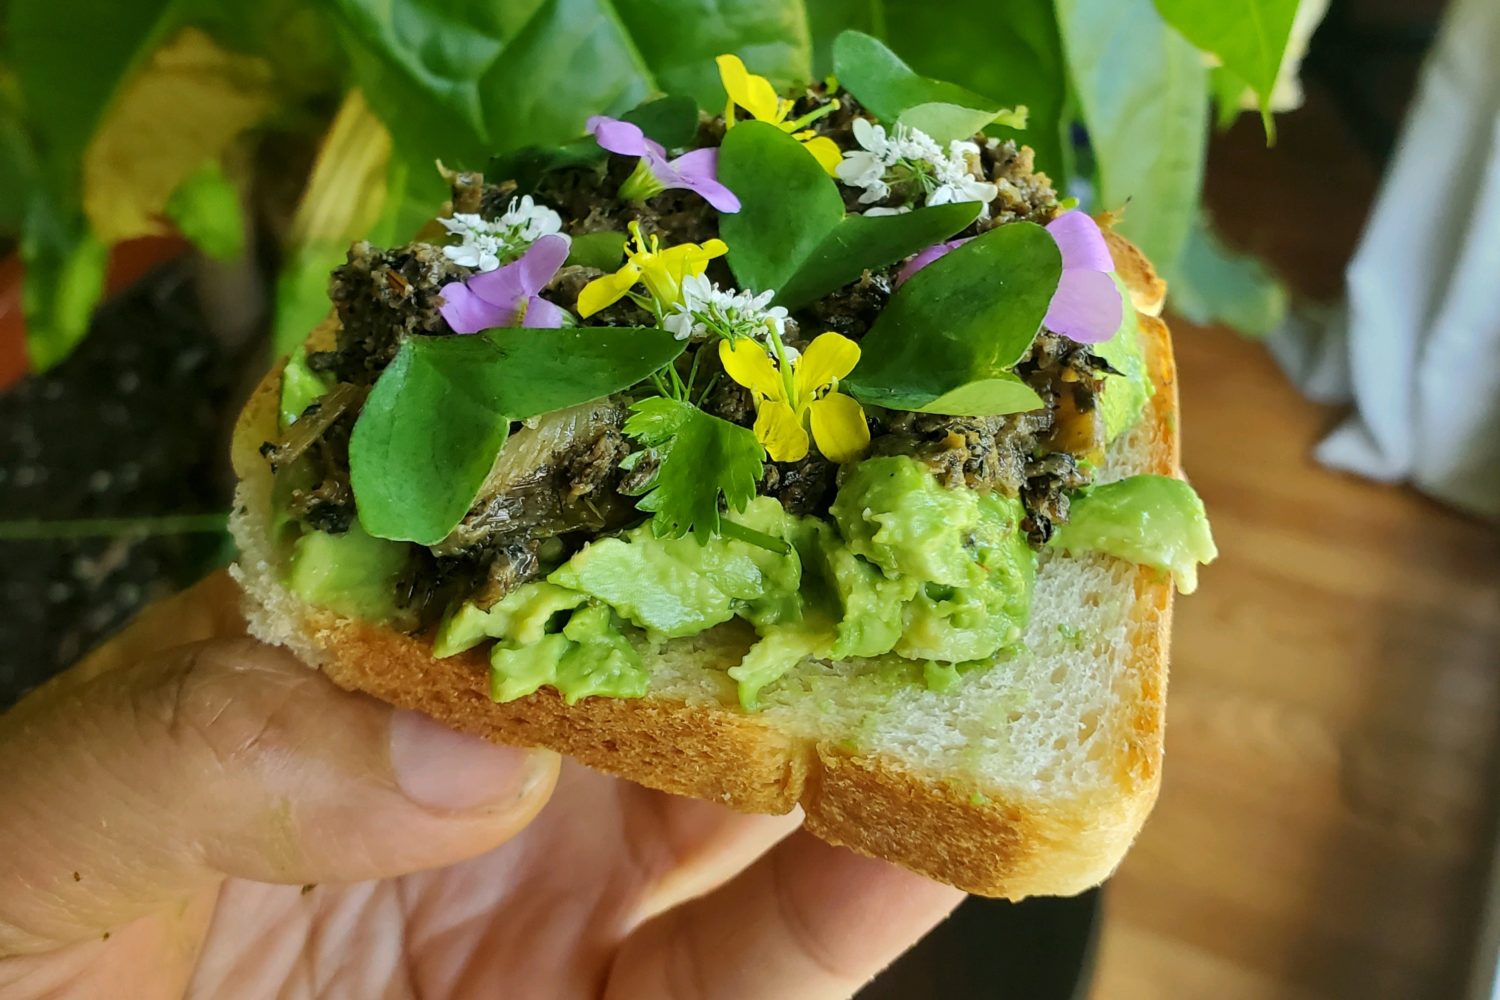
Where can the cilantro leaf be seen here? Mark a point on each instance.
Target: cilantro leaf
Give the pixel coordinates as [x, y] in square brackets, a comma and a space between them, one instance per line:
[700, 457]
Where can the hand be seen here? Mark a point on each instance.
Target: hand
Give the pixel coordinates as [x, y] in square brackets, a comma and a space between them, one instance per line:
[218, 819]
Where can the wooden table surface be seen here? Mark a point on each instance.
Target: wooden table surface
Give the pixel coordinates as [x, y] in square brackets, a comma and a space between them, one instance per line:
[1325, 821]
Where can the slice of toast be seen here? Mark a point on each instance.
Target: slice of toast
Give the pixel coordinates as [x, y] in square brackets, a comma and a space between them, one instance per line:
[1031, 777]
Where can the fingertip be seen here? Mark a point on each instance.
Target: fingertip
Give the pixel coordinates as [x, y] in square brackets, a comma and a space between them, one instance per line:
[445, 770]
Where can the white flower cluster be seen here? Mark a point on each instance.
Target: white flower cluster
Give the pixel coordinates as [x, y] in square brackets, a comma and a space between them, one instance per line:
[911, 155]
[708, 310]
[488, 243]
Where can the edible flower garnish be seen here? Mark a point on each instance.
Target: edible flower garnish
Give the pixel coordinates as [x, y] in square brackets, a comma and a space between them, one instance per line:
[1087, 306]
[488, 243]
[910, 161]
[708, 310]
[795, 395]
[509, 295]
[695, 171]
[756, 95]
[661, 271]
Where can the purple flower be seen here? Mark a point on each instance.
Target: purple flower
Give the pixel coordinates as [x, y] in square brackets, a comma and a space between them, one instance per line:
[510, 293]
[695, 171]
[925, 257]
[1087, 306]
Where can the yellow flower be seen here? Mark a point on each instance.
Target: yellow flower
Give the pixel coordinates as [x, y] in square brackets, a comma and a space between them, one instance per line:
[756, 95]
[661, 271]
[801, 395]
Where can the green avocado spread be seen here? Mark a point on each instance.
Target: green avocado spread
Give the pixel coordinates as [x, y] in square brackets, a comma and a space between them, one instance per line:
[906, 569]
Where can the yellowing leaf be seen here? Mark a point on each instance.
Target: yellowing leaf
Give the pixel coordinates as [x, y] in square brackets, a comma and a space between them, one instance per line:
[183, 109]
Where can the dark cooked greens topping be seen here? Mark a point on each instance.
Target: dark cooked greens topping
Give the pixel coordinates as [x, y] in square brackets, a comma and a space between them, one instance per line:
[675, 313]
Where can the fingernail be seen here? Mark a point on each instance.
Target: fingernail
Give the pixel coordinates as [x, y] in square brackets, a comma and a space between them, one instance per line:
[440, 768]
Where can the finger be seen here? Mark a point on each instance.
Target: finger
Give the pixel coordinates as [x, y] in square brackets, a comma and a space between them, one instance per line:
[806, 922]
[146, 783]
[687, 847]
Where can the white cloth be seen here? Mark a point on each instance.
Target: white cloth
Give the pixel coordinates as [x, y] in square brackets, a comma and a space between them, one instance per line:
[1417, 346]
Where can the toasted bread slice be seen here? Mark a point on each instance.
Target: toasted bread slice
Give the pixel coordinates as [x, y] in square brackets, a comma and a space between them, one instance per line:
[1029, 778]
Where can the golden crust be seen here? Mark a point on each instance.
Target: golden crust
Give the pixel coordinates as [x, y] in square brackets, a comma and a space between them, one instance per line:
[870, 803]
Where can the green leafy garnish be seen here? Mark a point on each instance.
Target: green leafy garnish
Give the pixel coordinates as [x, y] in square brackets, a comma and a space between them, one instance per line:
[890, 89]
[791, 233]
[701, 458]
[439, 414]
[946, 341]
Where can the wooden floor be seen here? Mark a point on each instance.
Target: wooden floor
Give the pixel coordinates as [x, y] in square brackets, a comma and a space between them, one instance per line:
[1324, 824]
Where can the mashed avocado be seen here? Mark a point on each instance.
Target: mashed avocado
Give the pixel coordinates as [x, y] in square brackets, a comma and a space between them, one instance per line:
[907, 567]
[352, 574]
[1154, 521]
[675, 587]
[954, 624]
[589, 657]
[300, 386]
[895, 514]
[1124, 396]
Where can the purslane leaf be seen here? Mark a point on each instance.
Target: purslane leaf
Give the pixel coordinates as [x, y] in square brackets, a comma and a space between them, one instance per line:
[946, 341]
[438, 415]
[701, 458]
[791, 233]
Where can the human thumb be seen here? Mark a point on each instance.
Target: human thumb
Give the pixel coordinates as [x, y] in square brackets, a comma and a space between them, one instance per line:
[131, 789]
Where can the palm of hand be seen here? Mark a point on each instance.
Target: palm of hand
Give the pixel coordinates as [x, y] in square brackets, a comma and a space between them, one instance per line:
[137, 782]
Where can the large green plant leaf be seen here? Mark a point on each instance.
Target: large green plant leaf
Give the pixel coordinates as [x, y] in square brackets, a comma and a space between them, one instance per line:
[1009, 53]
[1143, 92]
[1215, 284]
[68, 67]
[465, 79]
[438, 415]
[459, 80]
[946, 341]
[791, 233]
[1248, 36]
[680, 38]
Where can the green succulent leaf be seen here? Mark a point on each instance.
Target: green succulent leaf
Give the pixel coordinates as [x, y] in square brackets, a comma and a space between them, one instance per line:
[791, 233]
[439, 414]
[946, 341]
[701, 459]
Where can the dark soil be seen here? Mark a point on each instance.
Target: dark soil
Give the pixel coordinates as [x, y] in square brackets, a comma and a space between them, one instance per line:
[130, 426]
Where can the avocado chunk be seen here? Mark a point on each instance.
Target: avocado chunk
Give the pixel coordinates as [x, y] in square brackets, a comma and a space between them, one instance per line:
[1155, 521]
[957, 624]
[676, 587]
[589, 658]
[352, 573]
[1123, 396]
[894, 512]
[520, 617]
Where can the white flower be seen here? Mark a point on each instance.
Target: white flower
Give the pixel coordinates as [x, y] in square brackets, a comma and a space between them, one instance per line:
[488, 243]
[706, 309]
[911, 157]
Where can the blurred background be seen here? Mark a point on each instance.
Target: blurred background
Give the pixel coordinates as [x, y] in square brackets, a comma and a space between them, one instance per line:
[176, 180]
